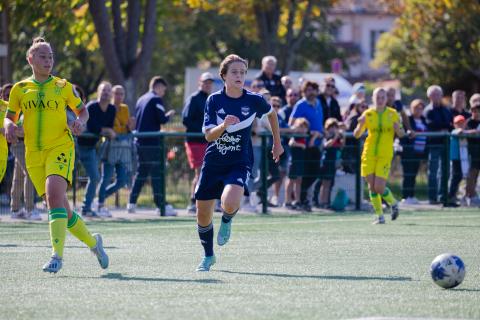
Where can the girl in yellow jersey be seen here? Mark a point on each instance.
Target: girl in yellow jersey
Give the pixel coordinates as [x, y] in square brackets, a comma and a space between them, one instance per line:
[382, 123]
[50, 153]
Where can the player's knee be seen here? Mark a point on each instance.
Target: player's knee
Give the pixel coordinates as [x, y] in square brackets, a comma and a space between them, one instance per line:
[230, 206]
[379, 189]
[54, 200]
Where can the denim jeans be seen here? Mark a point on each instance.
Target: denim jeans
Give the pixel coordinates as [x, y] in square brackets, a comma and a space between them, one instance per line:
[107, 189]
[254, 180]
[88, 158]
[148, 165]
[435, 162]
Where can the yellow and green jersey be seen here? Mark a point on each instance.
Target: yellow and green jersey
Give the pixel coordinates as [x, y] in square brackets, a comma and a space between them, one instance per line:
[379, 141]
[43, 105]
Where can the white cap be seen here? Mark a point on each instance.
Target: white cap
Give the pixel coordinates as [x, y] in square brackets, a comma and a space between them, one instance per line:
[206, 76]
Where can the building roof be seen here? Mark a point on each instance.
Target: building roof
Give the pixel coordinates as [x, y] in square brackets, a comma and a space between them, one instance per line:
[366, 7]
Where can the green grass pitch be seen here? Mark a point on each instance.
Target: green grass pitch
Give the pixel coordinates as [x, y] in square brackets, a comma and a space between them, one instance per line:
[275, 267]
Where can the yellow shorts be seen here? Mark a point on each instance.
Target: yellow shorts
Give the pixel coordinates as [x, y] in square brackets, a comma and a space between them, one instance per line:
[378, 166]
[55, 161]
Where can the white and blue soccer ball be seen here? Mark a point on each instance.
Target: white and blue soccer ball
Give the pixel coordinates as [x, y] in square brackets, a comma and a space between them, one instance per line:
[447, 270]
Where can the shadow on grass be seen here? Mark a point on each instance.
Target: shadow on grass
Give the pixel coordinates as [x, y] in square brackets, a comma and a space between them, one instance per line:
[348, 278]
[466, 290]
[440, 225]
[12, 245]
[121, 277]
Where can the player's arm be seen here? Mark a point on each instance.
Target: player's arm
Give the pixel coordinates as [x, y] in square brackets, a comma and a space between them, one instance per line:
[398, 129]
[10, 126]
[78, 125]
[277, 148]
[360, 129]
[215, 132]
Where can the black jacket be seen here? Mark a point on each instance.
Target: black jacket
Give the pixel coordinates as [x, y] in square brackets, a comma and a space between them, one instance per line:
[193, 113]
[330, 112]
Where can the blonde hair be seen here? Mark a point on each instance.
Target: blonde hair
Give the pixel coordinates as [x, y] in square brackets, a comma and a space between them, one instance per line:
[36, 44]
[331, 122]
[228, 61]
[299, 122]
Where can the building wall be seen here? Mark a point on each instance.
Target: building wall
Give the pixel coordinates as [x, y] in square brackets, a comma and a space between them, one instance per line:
[362, 29]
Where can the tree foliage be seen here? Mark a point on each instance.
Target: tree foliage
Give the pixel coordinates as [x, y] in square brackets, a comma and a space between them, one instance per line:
[435, 42]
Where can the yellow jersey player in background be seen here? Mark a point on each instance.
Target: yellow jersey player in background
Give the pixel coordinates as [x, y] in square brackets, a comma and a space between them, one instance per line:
[382, 123]
[49, 147]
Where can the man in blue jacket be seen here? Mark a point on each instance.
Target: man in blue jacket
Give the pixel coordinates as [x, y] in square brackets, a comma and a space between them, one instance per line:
[150, 114]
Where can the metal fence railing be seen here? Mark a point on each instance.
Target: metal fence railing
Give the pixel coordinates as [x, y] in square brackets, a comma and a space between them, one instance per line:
[175, 176]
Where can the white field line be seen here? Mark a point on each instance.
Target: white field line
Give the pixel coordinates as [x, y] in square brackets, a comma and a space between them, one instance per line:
[284, 221]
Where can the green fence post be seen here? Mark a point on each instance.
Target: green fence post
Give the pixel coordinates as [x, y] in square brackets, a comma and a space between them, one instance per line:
[446, 168]
[163, 166]
[358, 178]
[263, 174]
[74, 184]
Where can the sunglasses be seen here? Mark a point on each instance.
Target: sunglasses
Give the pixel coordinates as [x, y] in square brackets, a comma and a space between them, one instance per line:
[330, 86]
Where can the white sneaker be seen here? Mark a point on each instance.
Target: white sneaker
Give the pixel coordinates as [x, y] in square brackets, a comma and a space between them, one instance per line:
[131, 207]
[104, 212]
[274, 200]
[20, 214]
[414, 200]
[34, 215]
[169, 211]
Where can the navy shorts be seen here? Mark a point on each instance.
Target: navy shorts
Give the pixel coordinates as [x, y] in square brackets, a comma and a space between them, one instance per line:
[297, 163]
[213, 180]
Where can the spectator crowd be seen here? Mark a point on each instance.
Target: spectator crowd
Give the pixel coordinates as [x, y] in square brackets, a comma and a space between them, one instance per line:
[313, 125]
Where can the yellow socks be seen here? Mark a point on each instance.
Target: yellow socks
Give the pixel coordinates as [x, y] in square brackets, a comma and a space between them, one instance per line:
[77, 227]
[376, 201]
[388, 197]
[58, 228]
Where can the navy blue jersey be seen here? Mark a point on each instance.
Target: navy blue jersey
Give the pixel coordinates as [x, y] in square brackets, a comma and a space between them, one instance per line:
[234, 146]
[150, 114]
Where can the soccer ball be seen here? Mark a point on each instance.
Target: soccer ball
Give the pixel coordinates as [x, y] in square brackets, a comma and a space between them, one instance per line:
[447, 270]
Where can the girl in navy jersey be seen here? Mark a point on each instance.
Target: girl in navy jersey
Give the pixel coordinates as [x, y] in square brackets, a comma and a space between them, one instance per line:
[229, 114]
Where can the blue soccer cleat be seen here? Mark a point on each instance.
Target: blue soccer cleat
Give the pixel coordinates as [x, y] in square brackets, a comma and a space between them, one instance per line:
[395, 211]
[224, 233]
[206, 263]
[99, 252]
[54, 265]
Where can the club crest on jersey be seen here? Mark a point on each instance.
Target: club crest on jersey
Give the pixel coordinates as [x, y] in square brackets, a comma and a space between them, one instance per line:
[245, 110]
[61, 83]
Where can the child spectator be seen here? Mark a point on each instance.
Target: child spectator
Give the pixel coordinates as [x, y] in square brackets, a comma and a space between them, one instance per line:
[333, 143]
[458, 158]
[295, 170]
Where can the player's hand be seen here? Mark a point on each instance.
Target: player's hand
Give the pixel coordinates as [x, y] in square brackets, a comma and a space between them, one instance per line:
[77, 127]
[277, 151]
[230, 120]
[10, 133]
[170, 113]
[412, 134]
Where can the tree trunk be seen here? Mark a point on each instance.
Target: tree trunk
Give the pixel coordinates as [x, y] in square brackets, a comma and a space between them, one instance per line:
[131, 98]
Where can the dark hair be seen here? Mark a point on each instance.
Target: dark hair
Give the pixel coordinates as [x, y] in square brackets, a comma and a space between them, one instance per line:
[310, 84]
[36, 43]
[81, 93]
[156, 81]
[228, 61]
[5, 87]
